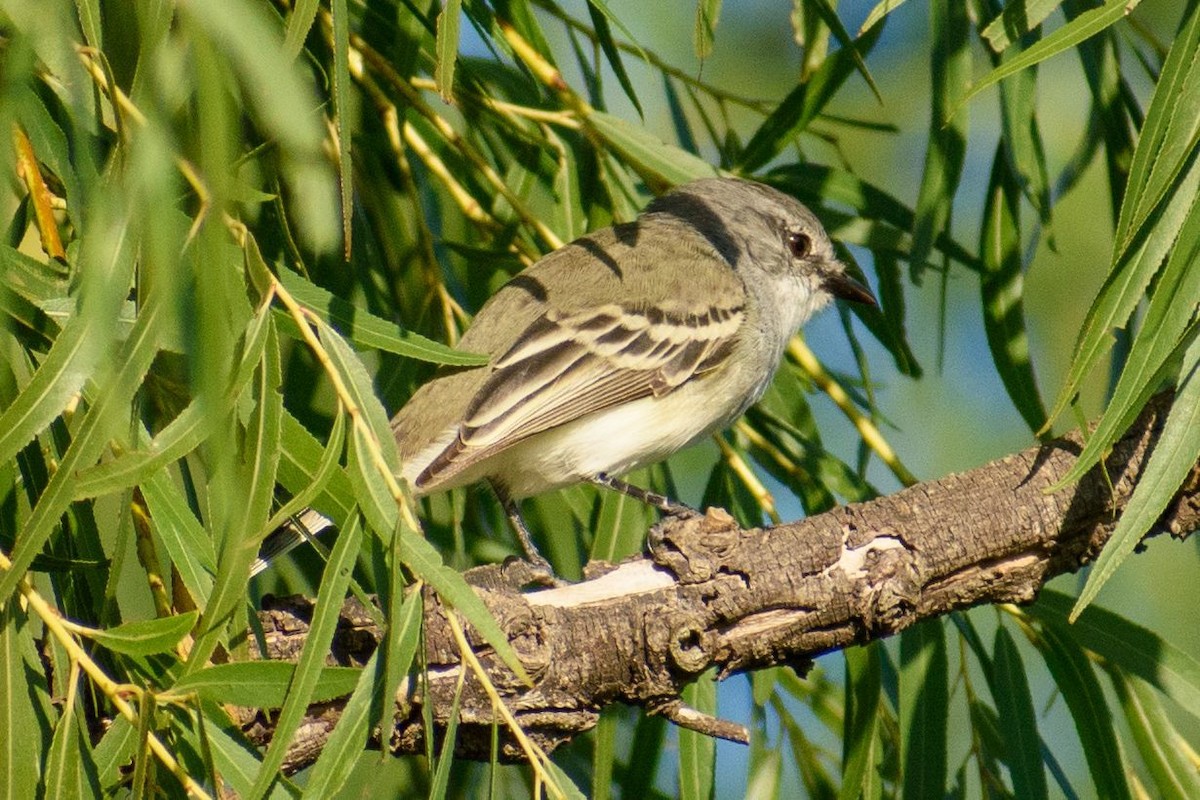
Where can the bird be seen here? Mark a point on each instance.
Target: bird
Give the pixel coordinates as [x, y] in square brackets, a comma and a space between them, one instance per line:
[619, 349]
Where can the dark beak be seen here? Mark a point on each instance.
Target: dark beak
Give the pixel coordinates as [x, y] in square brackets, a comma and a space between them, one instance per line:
[841, 285]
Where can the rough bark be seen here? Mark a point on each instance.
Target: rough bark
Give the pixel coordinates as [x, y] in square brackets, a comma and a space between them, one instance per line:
[715, 595]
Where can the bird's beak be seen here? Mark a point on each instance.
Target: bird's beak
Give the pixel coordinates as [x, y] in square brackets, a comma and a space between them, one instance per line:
[841, 285]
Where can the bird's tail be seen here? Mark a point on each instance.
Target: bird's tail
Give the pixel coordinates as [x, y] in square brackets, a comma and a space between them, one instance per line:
[303, 527]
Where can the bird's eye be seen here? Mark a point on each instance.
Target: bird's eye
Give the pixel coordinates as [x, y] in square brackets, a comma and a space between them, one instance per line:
[800, 244]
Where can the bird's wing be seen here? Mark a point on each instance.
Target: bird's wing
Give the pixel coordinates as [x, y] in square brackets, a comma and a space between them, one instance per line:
[568, 365]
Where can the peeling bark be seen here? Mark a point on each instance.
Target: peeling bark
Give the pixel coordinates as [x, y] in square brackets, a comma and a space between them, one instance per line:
[712, 594]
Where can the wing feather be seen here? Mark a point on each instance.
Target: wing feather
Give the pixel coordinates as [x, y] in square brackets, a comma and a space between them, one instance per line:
[566, 366]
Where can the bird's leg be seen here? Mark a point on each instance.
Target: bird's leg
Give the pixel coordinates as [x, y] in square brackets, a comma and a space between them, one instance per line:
[514, 518]
[663, 504]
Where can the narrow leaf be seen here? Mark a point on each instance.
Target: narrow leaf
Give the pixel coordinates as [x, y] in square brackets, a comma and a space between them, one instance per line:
[661, 165]
[22, 744]
[348, 739]
[1076, 680]
[864, 687]
[1002, 287]
[262, 684]
[1018, 18]
[309, 667]
[698, 752]
[924, 697]
[447, 48]
[1157, 740]
[707, 14]
[1174, 456]
[1015, 704]
[148, 636]
[601, 15]
[341, 89]
[1077, 30]
[300, 22]
[367, 330]
[1135, 649]
[881, 10]
[105, 415]
[950, 68]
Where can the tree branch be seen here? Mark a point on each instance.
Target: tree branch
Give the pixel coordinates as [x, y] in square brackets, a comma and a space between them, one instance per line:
[715, 595]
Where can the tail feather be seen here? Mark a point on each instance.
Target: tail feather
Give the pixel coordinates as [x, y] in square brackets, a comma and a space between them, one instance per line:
[303, 527]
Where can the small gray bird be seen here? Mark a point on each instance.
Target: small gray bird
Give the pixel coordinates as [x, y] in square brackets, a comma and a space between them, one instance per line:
[621, 348]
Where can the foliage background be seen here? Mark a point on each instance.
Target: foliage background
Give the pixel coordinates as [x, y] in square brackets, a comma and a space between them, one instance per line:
[222, 164]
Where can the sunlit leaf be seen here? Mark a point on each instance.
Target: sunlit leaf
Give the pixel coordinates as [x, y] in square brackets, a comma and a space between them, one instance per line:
[146, 637]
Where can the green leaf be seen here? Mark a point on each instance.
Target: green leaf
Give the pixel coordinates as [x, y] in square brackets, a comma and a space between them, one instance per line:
[1174, 455]
[1002, 287]
[113, 753]
[604, 754]
[370, 488]
[924, 698]
[105, 415]
[1169, 136]
[1011, 692]
[1164, 179]
[181, 436]
[1077, 30]
[864, 685]
[282, 100]
[1125, 287]
[146, 637]
[950, 69]
[1021, 134]
[365, 329]
[348, 739]
[185, 540]
[262, 684]
[70, 765]
[1076, 680]
[1159, 346]
[341, 107]
[661, 165]
[707, 14]
[564, 783]
[423, 559]
[881, 10]
[249, 490]
[22, 745]
[362, 393]
[448, 23]
[601, 16]
[82, 346]
[803, 104]
[829, 16]
[441, 774]
[1135, 649]
[325, 616]
[1018, 18]
[300, 21]
[1162, 748]
[698, 752]
[326, 469]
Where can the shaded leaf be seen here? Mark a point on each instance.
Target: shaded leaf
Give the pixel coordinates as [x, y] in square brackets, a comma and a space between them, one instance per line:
[1076, 680]
[1017, 719]
[924, 698]
[1002, 287]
